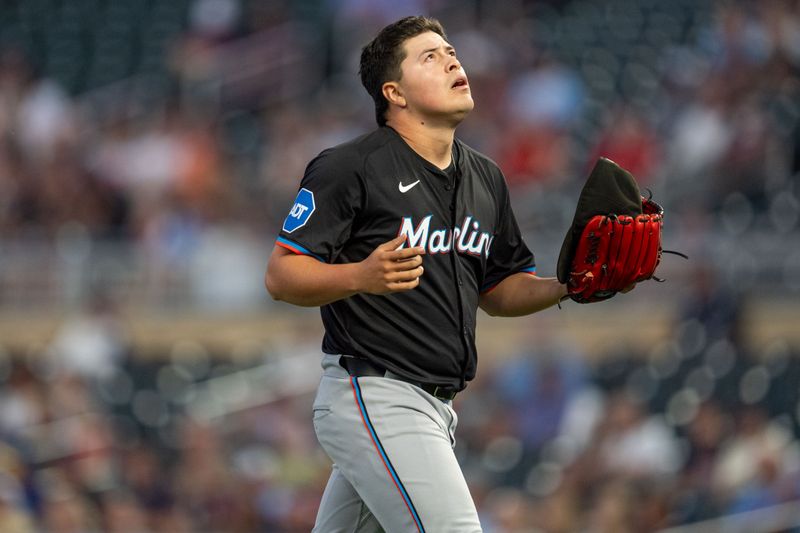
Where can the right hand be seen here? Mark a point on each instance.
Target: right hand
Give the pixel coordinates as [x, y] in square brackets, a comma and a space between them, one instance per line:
[388, 269]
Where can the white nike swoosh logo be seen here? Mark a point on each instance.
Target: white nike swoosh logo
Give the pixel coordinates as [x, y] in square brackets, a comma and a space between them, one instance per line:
[406, 188]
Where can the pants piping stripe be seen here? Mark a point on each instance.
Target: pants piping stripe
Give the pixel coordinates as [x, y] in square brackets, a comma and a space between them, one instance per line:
[382, 453]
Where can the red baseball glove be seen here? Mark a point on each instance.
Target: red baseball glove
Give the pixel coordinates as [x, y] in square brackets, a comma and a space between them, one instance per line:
[614, 252]
[615, 237]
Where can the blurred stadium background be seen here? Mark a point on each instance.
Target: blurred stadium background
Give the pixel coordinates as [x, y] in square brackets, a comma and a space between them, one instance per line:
[149, 151]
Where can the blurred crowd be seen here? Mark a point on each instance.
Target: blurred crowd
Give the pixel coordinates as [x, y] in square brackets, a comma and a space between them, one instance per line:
[192, 162]
[98, 435]
[698, 99]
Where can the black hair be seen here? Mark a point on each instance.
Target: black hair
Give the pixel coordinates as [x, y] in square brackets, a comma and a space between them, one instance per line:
[381, 58]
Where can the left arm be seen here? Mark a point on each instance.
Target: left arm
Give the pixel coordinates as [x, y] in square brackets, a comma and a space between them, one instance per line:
[522, 294]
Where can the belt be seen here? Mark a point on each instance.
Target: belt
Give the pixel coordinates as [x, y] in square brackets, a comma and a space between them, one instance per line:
[359, 367]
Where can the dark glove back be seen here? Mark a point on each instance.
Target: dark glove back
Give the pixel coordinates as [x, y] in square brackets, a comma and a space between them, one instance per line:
[615, 237]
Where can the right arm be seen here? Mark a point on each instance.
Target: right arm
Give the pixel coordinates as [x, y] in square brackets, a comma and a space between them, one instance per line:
[305, 281]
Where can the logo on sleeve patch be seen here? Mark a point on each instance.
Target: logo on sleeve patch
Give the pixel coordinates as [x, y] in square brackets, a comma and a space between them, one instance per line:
[301, 211]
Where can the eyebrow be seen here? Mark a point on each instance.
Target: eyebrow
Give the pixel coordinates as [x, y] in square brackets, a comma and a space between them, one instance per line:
[448, 48]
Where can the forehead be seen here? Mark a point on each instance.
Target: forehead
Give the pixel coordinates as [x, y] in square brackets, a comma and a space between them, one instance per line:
[424, 41]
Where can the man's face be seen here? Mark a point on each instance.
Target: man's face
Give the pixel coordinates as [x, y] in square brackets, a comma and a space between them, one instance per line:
[433, 82]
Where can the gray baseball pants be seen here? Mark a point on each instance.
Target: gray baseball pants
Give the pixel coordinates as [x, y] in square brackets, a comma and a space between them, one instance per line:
[394, 468]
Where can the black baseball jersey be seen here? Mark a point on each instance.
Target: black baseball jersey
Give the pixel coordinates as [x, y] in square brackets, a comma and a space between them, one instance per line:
[363, 193]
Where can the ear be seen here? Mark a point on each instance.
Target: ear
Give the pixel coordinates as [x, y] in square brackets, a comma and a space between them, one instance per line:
[393, 93]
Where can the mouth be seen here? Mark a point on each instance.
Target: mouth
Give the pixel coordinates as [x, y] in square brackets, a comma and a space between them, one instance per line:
[461, 81]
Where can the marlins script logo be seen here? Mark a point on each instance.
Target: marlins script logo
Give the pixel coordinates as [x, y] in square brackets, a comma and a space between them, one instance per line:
[467, 238]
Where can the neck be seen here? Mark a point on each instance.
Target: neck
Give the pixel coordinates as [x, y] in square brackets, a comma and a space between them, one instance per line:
[433, 143]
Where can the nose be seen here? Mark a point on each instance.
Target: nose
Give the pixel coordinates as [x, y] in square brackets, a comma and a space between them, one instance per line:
[453, 64]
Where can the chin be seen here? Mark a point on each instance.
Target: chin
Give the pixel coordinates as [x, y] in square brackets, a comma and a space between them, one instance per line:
[468, 104]
[457, 117]
[464, 110]
[453, 112]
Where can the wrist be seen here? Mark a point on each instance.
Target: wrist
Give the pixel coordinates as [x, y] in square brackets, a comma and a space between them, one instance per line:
[352, 277]
[563, 290]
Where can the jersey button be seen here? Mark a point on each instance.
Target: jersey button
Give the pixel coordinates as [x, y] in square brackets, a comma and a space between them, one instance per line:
[460, 282]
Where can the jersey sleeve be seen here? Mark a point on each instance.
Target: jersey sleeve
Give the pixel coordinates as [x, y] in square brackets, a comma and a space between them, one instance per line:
[508, 253]
[321, 217]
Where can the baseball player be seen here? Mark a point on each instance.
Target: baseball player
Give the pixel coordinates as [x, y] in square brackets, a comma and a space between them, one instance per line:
[399, 236]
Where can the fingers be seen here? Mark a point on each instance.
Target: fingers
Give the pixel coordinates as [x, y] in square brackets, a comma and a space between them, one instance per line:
[404, 286]
[393, 269]
[405, 253]
[405, 275]
[393, 244]
[392, 248]
[407, 264]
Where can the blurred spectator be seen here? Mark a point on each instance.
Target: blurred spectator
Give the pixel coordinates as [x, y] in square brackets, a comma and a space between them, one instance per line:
[69, 514]
[542, 104]
[706, 433]
[123, 514]
[533, 154]
[92, 344]
[214, 19]
[45, 120]
[631, 442]
[756, 454]
[613, 508]
[714, 304]
[142, 472]
[14, 516]
[22, 401]
[206, 486]
[628, 141]
[536, 386]
[701, 136]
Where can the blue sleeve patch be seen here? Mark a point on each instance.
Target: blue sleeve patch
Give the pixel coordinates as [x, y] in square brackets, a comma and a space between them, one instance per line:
[301, 211]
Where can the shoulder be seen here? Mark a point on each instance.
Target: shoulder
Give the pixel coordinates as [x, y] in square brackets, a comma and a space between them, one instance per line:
[349, 157]
[477, 160]
[481, 167]
[342, 167]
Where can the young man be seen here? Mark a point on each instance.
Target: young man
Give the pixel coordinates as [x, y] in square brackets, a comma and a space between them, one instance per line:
[400, 235]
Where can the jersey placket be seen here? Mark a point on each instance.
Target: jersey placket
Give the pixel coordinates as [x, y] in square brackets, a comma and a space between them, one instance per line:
[458, 278]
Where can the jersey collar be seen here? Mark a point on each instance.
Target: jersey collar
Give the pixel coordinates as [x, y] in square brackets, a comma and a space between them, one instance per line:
[458, 153]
